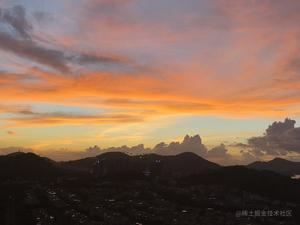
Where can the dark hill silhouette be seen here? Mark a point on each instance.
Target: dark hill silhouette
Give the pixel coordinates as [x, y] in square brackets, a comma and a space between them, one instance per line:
[278, 165]
[265, 183]
[183, 164]
[88, 163]
[28, 165]
[178, 165]
[187, 168]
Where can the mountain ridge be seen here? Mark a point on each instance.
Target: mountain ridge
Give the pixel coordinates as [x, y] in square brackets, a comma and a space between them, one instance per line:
[182, 164]
[278, 165]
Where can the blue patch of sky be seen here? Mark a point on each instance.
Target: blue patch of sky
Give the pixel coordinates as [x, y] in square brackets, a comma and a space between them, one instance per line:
[75, 110]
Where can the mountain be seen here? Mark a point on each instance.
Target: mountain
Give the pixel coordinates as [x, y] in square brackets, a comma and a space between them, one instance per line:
[182, 164]
[117, 162]
[262, 182]
[27, 165]
[278, 165]
[87, 163]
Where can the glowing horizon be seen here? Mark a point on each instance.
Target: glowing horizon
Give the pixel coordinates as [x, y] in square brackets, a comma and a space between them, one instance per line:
[114, 72]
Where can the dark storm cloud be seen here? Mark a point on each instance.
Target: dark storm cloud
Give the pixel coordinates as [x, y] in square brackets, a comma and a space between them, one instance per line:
[42, 16]
[221, 155]
[16, 18]
[189, 144]
[280, 138]
[19, 42]
[55, 59]
[31, 50]
[94, 59]
[293, 64]
[16, 37]
[218, 151]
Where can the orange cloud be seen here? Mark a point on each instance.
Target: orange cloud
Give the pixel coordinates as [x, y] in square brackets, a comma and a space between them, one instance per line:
[136, 98]
[250, 71]
[64, 119]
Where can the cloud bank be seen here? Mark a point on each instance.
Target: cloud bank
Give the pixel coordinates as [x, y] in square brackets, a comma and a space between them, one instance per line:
[279, 139]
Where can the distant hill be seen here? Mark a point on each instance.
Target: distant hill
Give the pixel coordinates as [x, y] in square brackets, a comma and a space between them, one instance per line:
[265, 183]
[278, 165]
[88, 163]
[27, 165]
[178, 165]
[187, 168]
[182, 164]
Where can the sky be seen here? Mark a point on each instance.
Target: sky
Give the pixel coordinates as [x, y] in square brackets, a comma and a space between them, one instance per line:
[80, 73]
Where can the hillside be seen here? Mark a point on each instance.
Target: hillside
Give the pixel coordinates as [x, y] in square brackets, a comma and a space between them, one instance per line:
[26, 165]
[178, 165]
[278, 165]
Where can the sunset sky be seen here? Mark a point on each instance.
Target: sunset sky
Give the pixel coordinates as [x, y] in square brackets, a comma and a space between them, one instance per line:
[75, 74]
